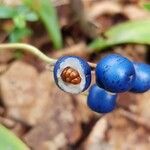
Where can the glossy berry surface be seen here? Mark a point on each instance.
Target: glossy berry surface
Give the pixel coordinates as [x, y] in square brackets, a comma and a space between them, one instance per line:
[72, 74]
[100, 100]
[142, 80]
[115, 73]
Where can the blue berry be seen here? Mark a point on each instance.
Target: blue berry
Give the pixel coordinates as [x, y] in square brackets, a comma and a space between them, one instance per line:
[100, 100]
[142, 80]
[115, 73]
[72, 74]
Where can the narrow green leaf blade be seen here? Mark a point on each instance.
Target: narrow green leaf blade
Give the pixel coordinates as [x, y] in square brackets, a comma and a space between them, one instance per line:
[147, 6]
[48, 15]
[8, 141]
[128, 32]
[98, 44]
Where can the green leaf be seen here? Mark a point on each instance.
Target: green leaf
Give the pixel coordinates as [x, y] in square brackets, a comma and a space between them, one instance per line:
[19, 21]
[48, 16]
[128, 32]
[98, 44]
[17, 34]
[8, 141]
[147, 6]
[9, 12]
[25, 11]
[6, 12]
[31, 16]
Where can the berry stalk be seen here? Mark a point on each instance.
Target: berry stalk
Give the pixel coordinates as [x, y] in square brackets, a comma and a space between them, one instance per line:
[26, 47]
[33, 50]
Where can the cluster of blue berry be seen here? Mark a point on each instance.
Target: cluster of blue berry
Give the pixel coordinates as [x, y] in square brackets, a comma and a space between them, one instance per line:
[114, 74]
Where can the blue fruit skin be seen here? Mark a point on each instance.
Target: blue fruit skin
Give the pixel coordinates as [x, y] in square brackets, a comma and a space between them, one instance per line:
[85, 66]
[142, 80]
[115, 73]
[100, 100]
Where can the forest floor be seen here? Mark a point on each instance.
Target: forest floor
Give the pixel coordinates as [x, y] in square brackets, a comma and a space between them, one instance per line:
[43, 116]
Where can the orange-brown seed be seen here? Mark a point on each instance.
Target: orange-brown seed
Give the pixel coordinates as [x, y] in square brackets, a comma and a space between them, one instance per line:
[70, 75]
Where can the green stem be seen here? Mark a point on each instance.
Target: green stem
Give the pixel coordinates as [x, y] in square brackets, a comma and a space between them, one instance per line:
[35, 51]
[26, 47]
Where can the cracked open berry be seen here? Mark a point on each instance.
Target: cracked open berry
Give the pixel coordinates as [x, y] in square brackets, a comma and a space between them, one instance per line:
[100, 100]
[72, 74]
[115, 73]
[142, 80]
